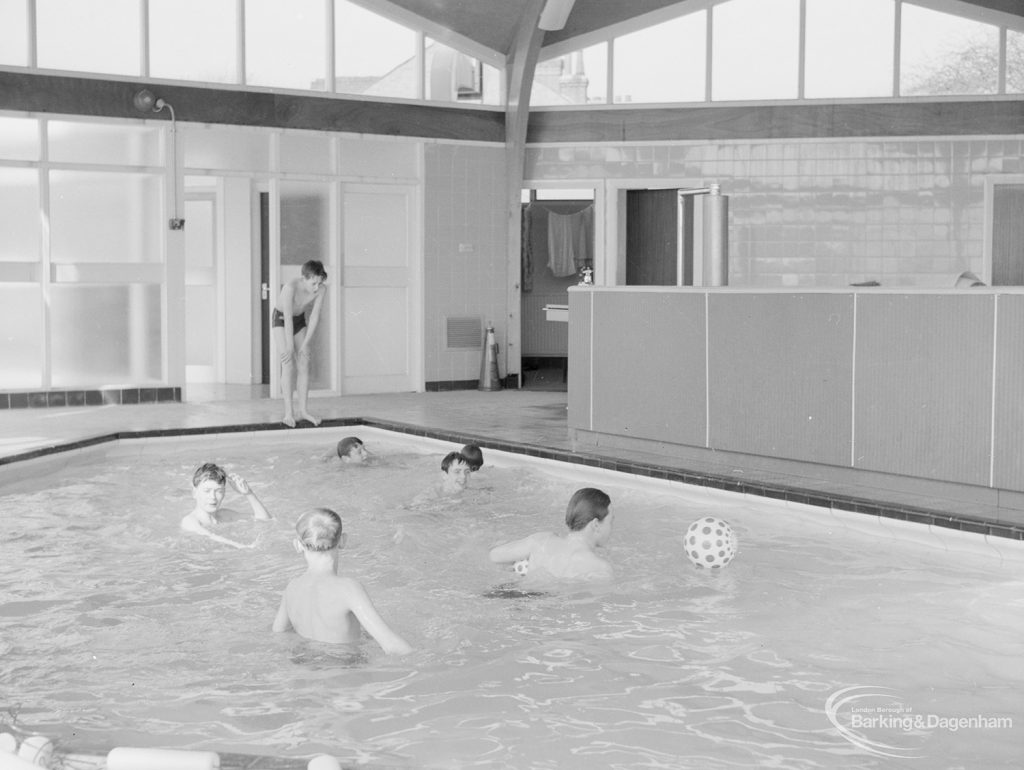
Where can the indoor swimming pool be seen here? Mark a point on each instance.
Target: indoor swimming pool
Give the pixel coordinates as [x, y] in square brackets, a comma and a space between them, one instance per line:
[831, 640]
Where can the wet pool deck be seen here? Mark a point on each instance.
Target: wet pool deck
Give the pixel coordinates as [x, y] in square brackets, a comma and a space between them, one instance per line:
[525, 421]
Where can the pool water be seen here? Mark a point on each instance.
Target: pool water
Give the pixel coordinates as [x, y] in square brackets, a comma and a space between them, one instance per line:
[120, 630]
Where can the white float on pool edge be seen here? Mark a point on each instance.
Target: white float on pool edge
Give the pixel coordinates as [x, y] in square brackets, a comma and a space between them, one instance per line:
[14, 762]
[323, 762]
[8, 744]
[123, 758]
[37, 750]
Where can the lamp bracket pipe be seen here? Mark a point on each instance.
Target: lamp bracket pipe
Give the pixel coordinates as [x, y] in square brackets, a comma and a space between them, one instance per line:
[145, 101]
[714, 189]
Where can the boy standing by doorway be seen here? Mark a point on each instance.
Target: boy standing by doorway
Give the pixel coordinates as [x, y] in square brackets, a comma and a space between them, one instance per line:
[293, 336]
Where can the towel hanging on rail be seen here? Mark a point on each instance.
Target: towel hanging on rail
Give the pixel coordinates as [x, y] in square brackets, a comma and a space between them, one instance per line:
[567, 241]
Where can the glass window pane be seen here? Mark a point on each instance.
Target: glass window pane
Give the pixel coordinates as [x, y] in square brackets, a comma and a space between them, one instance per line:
[285, 44]
[663, 63]
[755, 49]
[1014, 62]
[89, 35]
[380, 159]
[105, 217]
[225, 148]
[945, 54]
[849, 48]
[105, 335]
[580, 77]
[305, 215]
[19, 139]
[372, 55]
[494, 86]
[595, 65]
[193, 40]
[19, 215]
[489, 83]
[21, 309]
[120, 144]
[14, 32]
[376, 231]
[451, 76]
[200, 283]
[306, 152]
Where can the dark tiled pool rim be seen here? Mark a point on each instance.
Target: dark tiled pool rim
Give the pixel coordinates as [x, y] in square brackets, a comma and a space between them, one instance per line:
[775, 491]
[42, 399]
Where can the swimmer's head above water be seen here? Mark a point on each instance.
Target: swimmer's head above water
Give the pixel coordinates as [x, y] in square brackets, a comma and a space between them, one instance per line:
[456, 472]
[209, 485]
[473, 456]
[319, 530]
[352, 450]
[209, 471]
[586, 506]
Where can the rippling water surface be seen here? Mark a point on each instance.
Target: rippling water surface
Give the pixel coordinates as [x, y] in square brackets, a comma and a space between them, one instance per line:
[119, 630]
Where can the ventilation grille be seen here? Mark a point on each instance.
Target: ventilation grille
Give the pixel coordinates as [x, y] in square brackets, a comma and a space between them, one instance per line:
[464, 333]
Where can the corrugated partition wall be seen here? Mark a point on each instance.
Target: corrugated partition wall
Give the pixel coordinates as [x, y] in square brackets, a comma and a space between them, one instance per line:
[915, 383]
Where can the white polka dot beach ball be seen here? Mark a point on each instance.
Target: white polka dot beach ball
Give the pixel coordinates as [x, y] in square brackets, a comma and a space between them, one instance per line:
[710, 542]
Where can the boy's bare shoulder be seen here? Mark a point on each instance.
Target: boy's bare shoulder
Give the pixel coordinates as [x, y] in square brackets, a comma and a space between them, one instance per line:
[590, 565]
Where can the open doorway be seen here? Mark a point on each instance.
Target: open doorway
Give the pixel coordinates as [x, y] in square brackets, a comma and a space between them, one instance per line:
[221, 279]
[659, 238]
[1006, 232]
[557, 247]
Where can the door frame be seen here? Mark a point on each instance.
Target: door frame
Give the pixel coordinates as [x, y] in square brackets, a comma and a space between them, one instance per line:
[261, 254]
[614, 273]
[212, 195]
[329, 323]
[600, 276]
[991, 181]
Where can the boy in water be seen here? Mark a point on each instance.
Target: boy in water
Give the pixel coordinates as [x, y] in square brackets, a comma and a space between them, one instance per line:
[323, 606]
[456, 474]
[209, 484]
[293, 337]
[352, 450]
[572, 556]
[473, 456]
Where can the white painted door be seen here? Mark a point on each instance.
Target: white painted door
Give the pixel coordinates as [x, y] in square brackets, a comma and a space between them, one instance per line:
[380, 291]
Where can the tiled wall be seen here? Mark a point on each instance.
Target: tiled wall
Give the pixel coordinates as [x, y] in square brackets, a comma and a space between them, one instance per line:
[465, 271]
[824, 212]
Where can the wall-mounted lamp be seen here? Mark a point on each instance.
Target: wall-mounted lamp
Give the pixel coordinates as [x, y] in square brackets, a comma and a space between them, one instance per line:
[146, 101]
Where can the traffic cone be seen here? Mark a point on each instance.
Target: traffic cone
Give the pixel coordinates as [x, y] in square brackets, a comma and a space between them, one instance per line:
[489, 379]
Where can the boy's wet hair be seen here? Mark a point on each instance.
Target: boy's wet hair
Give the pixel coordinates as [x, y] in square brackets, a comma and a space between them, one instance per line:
[450, 459]
[319, 529]
[314, 267]
[209, 471]
[347, 444]
[473, 456]
[584, 506]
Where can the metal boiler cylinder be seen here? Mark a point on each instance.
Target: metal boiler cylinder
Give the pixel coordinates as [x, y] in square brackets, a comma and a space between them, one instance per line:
[716, 238]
